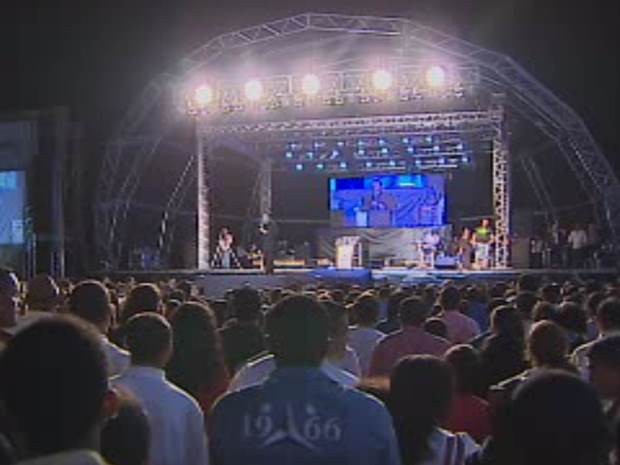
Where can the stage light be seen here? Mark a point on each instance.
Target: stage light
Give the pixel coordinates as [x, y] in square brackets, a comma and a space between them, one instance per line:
[253, 90]
[436, 148]
[368, 164]
[361, 152]
[460, 147]
[343, 165]
[429, 139]
[310, 84]
[385, 151]
[405, 140]
[361, 143]
[320, 166]
[299, 167]
[436, 77]
[382, 80]
[410, 150]
[310, 155]
[465, 159]
[340, 143]
[392, 163]
[335, 153]
[382, 142]
[289, 155]
[203, 95]
[442, 161]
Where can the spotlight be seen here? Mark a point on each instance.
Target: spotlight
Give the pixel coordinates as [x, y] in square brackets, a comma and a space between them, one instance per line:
[343, 165]
[368, 164]
[361, 152]
[410, 150]
[340, 143]
[299, 167]
[405, 140]
[320, 166]
[382, 142]
[436, 148]
[435, 77]
[310, 84]
[335, 153]
[203, 95]
[289, 155]
[464, 159]
[253, 90]
[392, 163]
[385, 151]
[459, 147]
[382, 80]
[310, 155]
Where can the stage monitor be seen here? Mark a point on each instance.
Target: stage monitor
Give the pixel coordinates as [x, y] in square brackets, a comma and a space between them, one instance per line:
[12, 205]
[389, 201]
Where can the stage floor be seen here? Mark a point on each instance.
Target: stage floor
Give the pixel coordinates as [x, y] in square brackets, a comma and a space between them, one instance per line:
[215, 283]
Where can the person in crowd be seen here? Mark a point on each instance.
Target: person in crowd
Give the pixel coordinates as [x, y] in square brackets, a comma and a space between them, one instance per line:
[175, 419]
[608, 322]
[469, 412]
[197, 364]
[90, 301]
[242, 337]
[578, 246]
[9, 305]
[363, 337]
[477, 307]
[43, 294]
[524, 303]
[54, 392]
[126, 438]
[572, 317]
[553, 418]
[503, 353]
[339, 353]
[551, 293]
[527, 282]
[461, 328]
[436, 327]
[392, 321]
[604, 371]
[421, 392]
[544, 311]
[298, 414]
[411, 340]
[144, 297]
[383, 296]
[593, 301]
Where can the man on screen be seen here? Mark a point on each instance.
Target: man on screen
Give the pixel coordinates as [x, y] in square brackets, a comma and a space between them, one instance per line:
[380, 205]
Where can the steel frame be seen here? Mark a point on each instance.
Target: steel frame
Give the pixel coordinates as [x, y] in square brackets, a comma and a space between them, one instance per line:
[128, 152]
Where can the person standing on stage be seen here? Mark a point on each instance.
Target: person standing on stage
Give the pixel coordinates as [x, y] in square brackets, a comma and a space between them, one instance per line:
[269, 232]
[578, 244]
[464, 249]
[225, 256]
[483, 236]
[430, 246]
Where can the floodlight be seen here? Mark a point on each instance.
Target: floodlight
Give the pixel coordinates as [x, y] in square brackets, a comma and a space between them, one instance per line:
[299, 167]
[310, 84]
[203, 95]
[253, 90]
[436, 77]
[382, 80]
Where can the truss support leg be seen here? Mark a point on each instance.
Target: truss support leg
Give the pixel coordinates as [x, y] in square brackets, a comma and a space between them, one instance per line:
[501, 192]
[203, 207]
[265, 207]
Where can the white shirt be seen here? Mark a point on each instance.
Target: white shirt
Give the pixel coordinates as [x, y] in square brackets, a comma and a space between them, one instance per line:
[256, 372]
[364, 340]
[117, 359]
[438, 442]
[177, 424]
[578, 239]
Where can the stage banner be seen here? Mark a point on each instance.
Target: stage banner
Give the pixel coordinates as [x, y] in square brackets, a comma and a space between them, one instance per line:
[397, 244]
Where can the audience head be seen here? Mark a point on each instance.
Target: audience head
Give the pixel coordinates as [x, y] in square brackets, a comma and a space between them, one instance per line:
[338, 319]
[413, 311]
[608, 315]
[149, 340]
[126, 438]
[556, 418]
[604, 363]
[572, 317]
[298, 331]
[525, 302]
[465, 364]
[366, 310]
[592, 302]
[420, 398]
[544, 311]
[449, 298]
[197, 357]
[142, 298]
[90, 301]
[9, 298]
[506, 321]
[393, 307]
[551, 293]
[528, 283]
[246, 304]
[43, 293]
[54, 386]
[436, 327]
[547, 345]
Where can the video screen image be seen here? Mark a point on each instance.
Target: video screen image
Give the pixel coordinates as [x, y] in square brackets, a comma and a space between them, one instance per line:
[391, 201]
[12, 204]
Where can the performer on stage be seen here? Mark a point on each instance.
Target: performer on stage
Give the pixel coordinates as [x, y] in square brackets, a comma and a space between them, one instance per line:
[464, 249]
[268, 231]
[430, 247]
[225, 256]
[483, 237]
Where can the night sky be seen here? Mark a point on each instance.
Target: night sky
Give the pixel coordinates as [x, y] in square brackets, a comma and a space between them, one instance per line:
[94, 56]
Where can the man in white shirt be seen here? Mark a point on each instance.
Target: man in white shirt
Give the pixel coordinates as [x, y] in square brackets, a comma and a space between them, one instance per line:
[177, 424]
[90, 301]
[578, 243]
[363, 337]
[461, 328]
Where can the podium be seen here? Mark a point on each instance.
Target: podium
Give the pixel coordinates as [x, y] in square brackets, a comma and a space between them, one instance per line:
[348, 252]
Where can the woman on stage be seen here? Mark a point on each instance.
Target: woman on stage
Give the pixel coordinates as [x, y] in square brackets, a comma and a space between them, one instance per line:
[464, 249]
[225, 256]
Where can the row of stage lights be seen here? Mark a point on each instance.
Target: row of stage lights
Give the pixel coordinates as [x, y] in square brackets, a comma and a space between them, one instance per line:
[381, 80]
[420, 164]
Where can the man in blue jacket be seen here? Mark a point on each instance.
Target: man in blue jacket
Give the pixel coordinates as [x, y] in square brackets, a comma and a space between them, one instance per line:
[299, 416]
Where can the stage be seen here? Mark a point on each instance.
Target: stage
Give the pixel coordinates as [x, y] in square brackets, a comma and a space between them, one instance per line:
[215, 283]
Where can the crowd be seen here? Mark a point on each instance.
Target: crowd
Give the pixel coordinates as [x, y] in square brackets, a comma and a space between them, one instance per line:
[125, 373]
